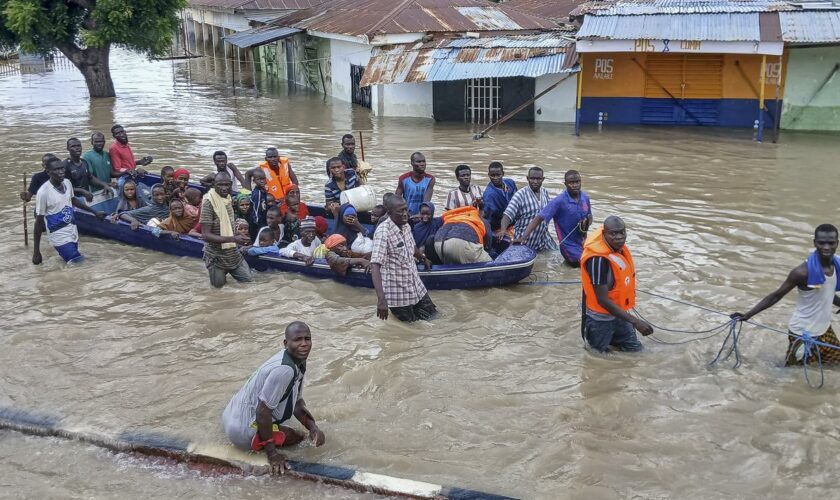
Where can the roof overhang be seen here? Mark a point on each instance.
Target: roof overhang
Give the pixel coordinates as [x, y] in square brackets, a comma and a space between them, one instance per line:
[260, 36]
[680, 47]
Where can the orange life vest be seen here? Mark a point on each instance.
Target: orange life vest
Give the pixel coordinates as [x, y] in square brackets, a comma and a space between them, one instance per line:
[623, 293]
[466, 215]
[275, 184]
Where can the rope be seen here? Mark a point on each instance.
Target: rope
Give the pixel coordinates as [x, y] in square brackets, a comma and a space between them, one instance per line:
[731, 344]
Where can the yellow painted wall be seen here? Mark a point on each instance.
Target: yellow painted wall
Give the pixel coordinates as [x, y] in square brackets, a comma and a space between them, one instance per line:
[617, 75]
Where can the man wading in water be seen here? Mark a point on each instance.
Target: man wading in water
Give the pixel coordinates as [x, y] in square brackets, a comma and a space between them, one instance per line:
[220, 254]
[253, 419]
[817, 283]
[608, 276]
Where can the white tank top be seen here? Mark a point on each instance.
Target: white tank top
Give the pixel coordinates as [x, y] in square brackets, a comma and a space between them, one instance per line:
[813, 308]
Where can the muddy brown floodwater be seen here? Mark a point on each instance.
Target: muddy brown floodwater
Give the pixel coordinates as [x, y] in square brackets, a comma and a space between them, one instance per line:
[498, 394]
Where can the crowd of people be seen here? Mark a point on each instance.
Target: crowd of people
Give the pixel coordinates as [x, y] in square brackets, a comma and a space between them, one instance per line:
[260, 211]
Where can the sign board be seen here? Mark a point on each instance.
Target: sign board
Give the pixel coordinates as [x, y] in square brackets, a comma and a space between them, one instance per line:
[680, 47]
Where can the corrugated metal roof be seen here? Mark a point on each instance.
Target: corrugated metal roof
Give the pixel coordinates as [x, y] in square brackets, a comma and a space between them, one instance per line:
[812, 26]
[714, 27]
[280, 4]
[642, 7]
[372, 17]
[260, 36]
[465, 58]
[219, 4]
[556, 10]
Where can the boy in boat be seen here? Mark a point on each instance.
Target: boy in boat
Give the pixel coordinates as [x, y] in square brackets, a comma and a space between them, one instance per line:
[341, 179]
[54, 209]
[466, 194]
[303, 248]
[254, 418]
[817, 283]
[220, 160]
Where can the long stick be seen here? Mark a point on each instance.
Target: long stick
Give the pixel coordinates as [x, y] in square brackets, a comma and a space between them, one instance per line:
[777, 110]
[362, 144]
[819, 89]
[25, 216]
[519, 108]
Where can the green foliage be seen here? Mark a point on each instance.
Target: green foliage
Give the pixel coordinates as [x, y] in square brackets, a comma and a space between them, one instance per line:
[42, 25]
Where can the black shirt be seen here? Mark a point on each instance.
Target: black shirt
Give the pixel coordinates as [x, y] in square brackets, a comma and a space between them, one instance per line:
[37, 181]
[78, 175]
[600, 272]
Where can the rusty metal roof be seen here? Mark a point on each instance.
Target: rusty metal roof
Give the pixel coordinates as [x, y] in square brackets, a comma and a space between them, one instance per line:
[219, 4]
[556, 10]
[257, 4]
[648, 7]
[372, 17]
[811, 26]
[466, 58]
[701, 27]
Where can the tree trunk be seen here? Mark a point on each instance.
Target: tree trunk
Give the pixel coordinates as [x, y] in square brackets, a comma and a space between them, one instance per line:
[94, 65]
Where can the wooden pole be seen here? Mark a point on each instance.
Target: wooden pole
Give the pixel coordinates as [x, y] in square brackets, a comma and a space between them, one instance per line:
[762, 79]
[777, 112]
[362, 144]
[579, 97]
[25, 216]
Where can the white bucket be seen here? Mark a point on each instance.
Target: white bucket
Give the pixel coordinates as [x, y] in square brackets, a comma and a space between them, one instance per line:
[363, 198]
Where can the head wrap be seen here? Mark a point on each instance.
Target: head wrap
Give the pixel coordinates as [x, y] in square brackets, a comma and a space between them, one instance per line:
[335, 240]
[342, 228]
[321, 225]
[181, 224]
[243, 196]
[182, 171]
[122, 205]
[351, 210]
[239, 223]
[288, 188]
[307, 223]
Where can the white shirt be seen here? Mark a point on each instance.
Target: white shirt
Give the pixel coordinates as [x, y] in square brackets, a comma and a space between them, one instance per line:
[297, 246]
[58, 213]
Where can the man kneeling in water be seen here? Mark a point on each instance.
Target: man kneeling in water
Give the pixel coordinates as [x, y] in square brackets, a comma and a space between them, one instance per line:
[272, 395]
[817, 283]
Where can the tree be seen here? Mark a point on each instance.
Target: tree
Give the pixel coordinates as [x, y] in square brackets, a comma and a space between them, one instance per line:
[85, 30]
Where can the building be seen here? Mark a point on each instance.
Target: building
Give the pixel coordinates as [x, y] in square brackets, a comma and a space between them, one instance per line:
[462, 60]
[682, 62]
[812, 38]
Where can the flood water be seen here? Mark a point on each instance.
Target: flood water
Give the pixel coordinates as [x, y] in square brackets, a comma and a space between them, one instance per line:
[498, 393]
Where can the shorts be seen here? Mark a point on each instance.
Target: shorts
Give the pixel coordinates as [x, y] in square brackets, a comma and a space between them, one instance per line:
[458, 251]
[70, 253]
[424, 309]
[796, 351]
[601, 335]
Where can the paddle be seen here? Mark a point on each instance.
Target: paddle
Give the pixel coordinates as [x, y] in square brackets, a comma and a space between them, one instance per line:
[25, 218]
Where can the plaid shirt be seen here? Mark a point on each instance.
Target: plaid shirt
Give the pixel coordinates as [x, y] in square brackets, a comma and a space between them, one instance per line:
[393, 249]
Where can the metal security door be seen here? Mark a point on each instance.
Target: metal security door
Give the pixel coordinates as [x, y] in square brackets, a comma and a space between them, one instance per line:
[682, 89]
[483, 98]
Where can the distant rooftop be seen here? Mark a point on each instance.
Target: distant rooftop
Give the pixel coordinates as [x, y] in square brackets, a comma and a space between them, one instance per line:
[646, 7]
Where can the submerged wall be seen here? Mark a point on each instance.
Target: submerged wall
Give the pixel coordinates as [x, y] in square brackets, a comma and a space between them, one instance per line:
[559, 104]
[804, 108]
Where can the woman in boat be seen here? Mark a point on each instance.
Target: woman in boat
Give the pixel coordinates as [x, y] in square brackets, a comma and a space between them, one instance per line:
[128, 199]
[178, 222]
[157, 209]
[347, 225]
[242, 205]
[339, 257]
[292, 211]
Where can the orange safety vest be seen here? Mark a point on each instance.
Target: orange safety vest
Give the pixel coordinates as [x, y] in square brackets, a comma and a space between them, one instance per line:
[623, 293]
[466, 215]
[276, 183]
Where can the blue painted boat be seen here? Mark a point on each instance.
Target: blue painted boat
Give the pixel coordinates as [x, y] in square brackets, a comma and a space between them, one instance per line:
[511, 266]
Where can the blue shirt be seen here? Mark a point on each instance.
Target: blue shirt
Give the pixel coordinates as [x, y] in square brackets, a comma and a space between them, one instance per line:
[496, 201]
[331, 190]
[414, 192]
[567, 213]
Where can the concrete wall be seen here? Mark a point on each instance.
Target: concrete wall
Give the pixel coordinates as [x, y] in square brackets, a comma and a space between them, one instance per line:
[807, 69]
[404, 99]
[342, 55]
[228, 20]
[559, 104]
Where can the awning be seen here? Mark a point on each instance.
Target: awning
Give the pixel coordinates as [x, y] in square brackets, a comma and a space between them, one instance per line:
[260, 36]
[467, 58]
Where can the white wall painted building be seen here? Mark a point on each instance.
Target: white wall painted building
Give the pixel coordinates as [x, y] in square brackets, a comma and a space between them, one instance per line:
[559, 104]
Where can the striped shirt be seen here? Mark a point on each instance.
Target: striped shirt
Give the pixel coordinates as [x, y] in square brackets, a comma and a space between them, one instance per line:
[332, 191]
[393, 249]
[224, 258]
[523, 207]
[457, 198]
